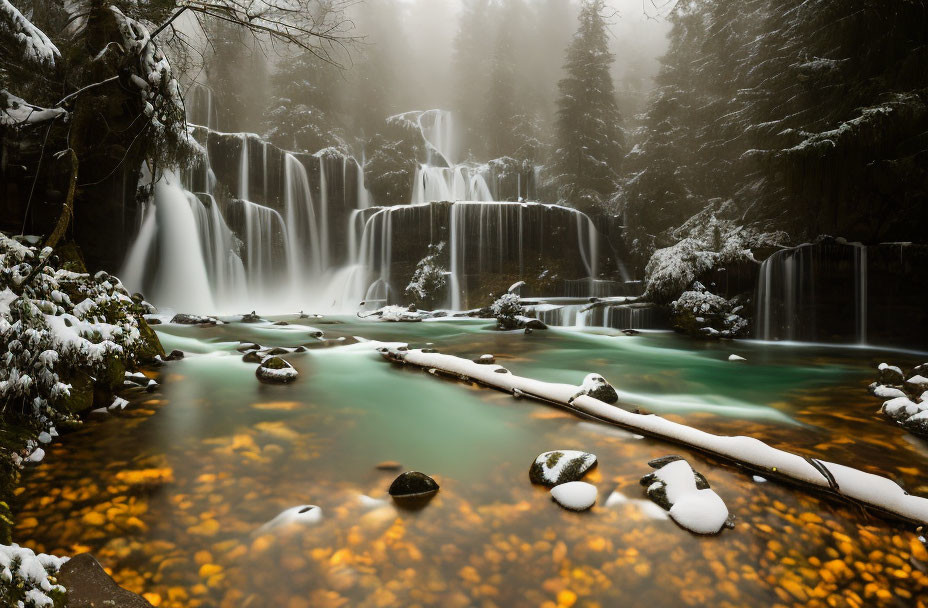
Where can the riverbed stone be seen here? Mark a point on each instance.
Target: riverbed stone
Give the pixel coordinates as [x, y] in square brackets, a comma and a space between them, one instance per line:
[188, 319]
[174, 355]
[575, 495]
[253, 356]
[89, 586]
[560, 466]
[274, 370]
[251, 317]
[413, 483]
[890, 375]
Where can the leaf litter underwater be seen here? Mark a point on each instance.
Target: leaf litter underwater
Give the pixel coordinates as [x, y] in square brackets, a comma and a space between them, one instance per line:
[176, 495]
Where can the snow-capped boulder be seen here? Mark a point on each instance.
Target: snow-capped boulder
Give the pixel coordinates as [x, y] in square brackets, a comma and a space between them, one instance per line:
[186, 319]
[890, 375]
[274, 370]
[575, 495]
[736, 358]
[560, 466]
[917, 384]
[251, 317]
[485, 360]
[882, 391]
[686, 495]
[597, 387]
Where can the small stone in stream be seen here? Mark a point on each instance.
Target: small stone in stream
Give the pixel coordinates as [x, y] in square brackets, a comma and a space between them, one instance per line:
[245, 346]
[890, 374]
[251, 317]
[412, 308]
[303, 315]
[413, 490]
[736, 358]
[299, 349]
[429, 350]
[317, 334]
[274, 370]
[154, 321]
[185, 319]
[630, 332]
[89, 586]
[281, 323]
[560, 466]
[596, 387]
[501, 370]
[535, 324]
[528, 330]
[485, 360]
[277, 350]
[175, 355]
[136, 378]
[575, 495]
[253, 356]
[881, 391]
[389, 465]
[151, 386]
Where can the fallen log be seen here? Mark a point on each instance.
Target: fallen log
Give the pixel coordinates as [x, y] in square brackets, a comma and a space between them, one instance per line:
[866, 489]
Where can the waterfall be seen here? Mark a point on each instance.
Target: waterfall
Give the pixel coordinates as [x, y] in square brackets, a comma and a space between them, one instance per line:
[292, 237]
[169, 241]
[582, 315]
[813, 292]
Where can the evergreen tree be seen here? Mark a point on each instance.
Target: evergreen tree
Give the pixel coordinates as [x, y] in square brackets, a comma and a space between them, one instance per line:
[590, 142]
[472, 54]
[304, 110]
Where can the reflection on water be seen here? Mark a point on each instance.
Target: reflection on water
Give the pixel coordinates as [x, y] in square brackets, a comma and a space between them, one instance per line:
[172, 494]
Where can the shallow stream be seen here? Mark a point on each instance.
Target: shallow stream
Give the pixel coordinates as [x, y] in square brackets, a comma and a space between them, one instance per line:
[170, 493]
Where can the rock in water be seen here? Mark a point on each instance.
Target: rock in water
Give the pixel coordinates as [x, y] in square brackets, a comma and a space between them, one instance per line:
[575, 495]
[736, 358]
[677, 488]
[890, 374]
[560, 466]
[253, 356]
[596, 387]
[389, 465]
[89, 585]
[275, 370]
[185, 319]
[175, 355]
[303, 515]
[413, 490]
[485, 360]
[251, 317]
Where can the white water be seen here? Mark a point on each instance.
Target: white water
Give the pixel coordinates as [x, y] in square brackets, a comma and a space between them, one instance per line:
[790, 289]
[285, 252]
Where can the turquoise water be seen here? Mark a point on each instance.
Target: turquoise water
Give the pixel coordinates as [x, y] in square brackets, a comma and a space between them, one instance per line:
[188, 474]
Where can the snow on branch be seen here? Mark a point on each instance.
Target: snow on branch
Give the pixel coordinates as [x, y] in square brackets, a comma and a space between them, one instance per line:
[16, 112]
[33, 46]
[874, 491]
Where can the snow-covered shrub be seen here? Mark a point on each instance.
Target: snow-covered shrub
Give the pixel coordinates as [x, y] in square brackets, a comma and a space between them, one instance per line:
[429, 280]
[507, 310]
[704, 242]
[62, 334]
[25, 578]
[700, 313]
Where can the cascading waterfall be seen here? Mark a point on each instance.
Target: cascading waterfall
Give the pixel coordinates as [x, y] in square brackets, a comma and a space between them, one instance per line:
[813, 293]
[276, 246]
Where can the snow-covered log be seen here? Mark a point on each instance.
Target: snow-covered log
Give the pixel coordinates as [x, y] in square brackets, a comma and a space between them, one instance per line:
[873, 491]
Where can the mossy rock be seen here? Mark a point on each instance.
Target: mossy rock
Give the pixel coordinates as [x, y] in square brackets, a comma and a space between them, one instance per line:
[82, 389]
[70, 257]
[149, 345]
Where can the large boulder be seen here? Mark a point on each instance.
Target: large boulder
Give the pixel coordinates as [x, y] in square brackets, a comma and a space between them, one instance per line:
[560, 466]
[686, 495]
[89, 586]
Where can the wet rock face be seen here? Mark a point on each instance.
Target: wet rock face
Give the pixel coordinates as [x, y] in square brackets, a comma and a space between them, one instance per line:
[413, 483]
[274, 370]
[560, 466]
[89, 586]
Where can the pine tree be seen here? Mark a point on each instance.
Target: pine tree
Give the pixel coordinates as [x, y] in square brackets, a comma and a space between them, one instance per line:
[304, 110]
[590, 142]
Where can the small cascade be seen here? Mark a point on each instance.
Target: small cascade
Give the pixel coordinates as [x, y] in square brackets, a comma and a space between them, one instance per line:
[581, 315]
[814, 292]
